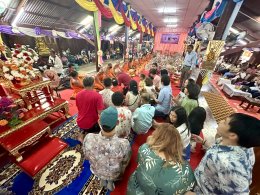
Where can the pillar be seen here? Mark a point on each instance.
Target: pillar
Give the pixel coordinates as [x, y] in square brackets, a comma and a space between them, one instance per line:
[126, 39]
[230, 12]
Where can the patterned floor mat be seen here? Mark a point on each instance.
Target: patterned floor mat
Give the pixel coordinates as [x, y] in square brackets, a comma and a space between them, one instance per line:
[68, 173]
[218, 106]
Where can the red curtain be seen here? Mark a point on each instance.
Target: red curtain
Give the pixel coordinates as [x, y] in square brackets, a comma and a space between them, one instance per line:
[158, 46]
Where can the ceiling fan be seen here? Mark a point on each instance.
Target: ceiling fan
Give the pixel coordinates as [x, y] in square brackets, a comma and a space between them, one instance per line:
[205, 32]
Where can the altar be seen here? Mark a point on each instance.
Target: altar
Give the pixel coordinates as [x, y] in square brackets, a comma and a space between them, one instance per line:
[26, 101]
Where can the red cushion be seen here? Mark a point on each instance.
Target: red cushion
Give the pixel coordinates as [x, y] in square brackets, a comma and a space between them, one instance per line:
[20, 136]
[39, 158]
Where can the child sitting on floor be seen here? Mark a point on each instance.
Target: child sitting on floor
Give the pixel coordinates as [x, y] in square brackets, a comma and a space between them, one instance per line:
[107, 92]
[143, 116]
[142, 82]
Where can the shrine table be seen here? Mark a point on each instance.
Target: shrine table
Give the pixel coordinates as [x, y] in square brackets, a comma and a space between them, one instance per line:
[232, 91]
[38, 113]
[26, 136]
[25, 91]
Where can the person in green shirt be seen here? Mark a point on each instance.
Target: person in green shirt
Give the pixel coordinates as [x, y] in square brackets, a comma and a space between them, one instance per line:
[190, 101]
[161, 168]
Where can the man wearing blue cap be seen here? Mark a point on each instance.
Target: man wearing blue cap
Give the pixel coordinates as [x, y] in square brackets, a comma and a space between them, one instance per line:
[108, 154]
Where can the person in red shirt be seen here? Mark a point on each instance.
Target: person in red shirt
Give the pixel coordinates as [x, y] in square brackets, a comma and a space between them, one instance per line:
[89, 104]
[124, 78]
[116, 87]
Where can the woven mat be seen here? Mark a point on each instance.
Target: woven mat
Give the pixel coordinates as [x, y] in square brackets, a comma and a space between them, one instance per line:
[218, 106]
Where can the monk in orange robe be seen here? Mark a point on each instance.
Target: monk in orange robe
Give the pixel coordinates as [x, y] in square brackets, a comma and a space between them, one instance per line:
[125, 67]
[109, 72]
[76, 84]
[98, 82]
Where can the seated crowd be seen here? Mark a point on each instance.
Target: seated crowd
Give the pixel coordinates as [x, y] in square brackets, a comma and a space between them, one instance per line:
[244, 76]
[123, 106]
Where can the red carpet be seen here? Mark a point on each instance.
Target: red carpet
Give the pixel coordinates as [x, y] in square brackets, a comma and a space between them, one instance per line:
[121, 186]
[234, 103]
[65, 94]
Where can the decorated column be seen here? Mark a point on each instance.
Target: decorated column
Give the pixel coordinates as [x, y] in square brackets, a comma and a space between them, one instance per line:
[97, 25]
[126, 49]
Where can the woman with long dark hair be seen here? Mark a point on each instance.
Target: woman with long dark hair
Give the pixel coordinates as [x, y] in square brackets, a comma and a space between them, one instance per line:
[132, 99]
[178, 117]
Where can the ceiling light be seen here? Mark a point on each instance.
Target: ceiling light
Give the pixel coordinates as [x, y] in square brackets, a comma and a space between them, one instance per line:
[167, 10]
[88, 20]
[113, 28]
[20, 13]
[170, 20]
[172, 25]
[235, 31]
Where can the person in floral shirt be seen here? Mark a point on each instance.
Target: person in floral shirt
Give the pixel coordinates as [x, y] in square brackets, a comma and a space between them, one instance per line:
[108, 154]
[123, 128]
[107, 92]
[227, 166]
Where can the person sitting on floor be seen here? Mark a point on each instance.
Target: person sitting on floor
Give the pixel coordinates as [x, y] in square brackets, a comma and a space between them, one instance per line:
[54, 78]
[196, 120]
[109, 71]
[156, 79]
[161, 168]
[227, 166]
[55, 63]
[107, 92]
[163, 106]
[141, 84]
[98, 85]
[190, 101]
[181, 95]
[108, 154]
[178, 117]
[132, 99]
[116, 87]
[123, 79]
[89, 104]
[123, 128]
[149, 87]
[75, 84]
[143, 116]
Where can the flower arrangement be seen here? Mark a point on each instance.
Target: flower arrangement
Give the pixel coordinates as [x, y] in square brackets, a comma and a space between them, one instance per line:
[9, 112]
[20, 66]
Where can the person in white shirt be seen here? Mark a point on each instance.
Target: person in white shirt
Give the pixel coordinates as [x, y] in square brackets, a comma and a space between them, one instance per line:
[178, 117]
[189, 64]
[56, 63]
[107, 93]
[123, 128]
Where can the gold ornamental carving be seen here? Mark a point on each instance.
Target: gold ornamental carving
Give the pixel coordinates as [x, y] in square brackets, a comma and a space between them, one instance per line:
[212, 53]
[63, 106]
[42, 47]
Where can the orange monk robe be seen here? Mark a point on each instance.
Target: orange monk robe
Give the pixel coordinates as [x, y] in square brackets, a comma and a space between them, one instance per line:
[110, 73]
[98, 83]
[125, 67]
[76, 85]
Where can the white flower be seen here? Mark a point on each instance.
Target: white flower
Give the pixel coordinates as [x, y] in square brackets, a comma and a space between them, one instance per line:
[21, 68]
[20, 55]
[5, 69]
[14, 72]
[8, 76]
[35, 58]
